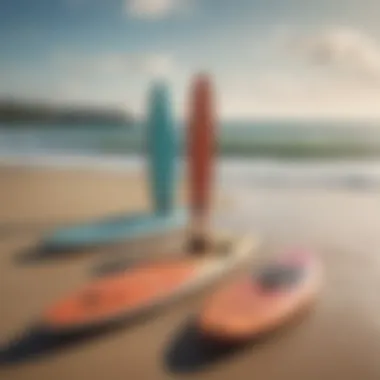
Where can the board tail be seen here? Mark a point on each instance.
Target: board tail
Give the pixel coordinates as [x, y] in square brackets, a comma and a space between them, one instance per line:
[161, 149]
[201, 141]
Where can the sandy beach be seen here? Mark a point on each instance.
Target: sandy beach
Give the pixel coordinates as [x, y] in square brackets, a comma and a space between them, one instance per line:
[340, 339]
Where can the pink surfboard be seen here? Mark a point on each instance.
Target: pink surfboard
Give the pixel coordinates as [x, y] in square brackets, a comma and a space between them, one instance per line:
[262, 301]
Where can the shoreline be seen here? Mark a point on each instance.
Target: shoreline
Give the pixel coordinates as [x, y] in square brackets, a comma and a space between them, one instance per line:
[230, 173]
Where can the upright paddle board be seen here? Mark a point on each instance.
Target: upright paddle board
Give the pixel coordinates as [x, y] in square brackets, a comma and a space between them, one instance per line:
[161, 147]
[201, 144]
[262, 301]
[200, 159]
[147, 286]
[161, 151]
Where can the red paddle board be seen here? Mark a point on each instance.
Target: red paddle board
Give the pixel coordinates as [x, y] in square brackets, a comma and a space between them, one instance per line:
[261, 302]
[201, 141]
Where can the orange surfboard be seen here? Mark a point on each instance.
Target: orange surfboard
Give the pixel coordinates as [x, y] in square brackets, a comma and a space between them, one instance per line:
[140, 289]
[114, 297]
[261, 302]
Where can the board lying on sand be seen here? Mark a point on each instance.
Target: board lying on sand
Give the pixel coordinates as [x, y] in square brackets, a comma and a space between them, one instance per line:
[115, 230]
[143, 288]
[263, 301]
[161, 153]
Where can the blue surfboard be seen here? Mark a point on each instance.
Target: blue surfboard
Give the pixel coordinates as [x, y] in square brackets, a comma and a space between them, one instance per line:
[161, 153]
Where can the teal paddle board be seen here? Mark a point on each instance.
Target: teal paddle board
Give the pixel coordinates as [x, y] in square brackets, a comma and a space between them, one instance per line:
[162, 150]
[161, 153]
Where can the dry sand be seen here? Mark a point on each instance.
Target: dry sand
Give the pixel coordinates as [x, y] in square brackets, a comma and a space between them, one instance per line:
[339, 340]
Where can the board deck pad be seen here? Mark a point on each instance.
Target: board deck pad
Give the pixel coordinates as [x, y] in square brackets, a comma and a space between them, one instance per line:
[143, 288]
[279, 277]
[262, 301]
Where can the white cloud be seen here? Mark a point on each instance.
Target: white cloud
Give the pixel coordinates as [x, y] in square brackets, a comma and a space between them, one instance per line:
[112, 78]
[116, 64]
[351, 53]
[278, 90]
[285, 89]
[334, 72]
[158, 65]
[151, 9]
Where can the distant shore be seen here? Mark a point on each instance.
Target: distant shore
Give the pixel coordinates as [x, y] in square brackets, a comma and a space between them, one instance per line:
[16, 113]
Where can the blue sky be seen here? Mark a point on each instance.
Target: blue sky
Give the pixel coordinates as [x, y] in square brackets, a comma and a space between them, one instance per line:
[273, 58]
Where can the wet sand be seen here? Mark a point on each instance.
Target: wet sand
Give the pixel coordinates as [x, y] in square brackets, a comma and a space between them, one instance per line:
[340, 339]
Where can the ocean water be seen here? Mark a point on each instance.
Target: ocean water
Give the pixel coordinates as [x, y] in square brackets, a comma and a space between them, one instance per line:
[255, 139]
[250, 153]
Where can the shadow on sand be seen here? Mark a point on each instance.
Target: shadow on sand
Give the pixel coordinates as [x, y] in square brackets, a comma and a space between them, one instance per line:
[34, 343]
[114, 267]
[39, 253]
[190, 352]
[37, 342]
[122, 262]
